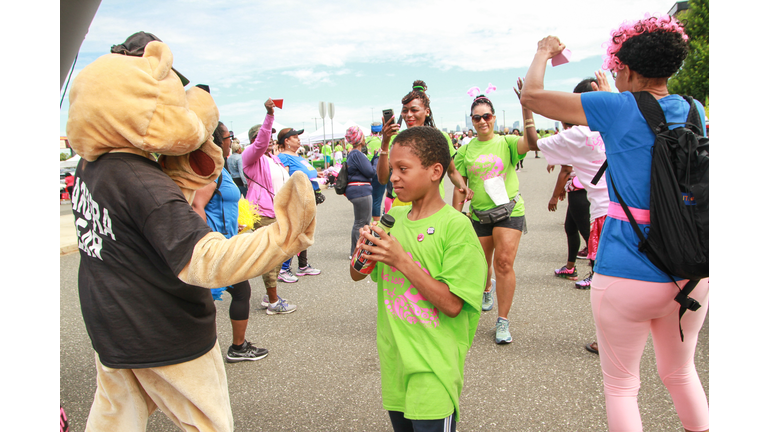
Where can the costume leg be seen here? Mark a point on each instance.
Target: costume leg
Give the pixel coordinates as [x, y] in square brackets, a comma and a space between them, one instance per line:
[120, 403]
[193, 394]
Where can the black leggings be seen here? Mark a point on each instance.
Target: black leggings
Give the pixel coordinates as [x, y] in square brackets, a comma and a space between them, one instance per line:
[240, 307]
[576, 221]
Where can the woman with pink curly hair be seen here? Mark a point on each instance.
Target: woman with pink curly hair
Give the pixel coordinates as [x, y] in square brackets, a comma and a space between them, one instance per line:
[630, 296]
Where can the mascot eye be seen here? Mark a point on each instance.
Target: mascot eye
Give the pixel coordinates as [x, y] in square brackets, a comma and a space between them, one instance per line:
[204, 87]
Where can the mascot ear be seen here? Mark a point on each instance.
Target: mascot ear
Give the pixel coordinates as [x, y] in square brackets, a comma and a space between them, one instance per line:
[160, 59]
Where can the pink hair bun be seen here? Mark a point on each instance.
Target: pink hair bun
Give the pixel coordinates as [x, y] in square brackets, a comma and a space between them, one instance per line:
[628, 29]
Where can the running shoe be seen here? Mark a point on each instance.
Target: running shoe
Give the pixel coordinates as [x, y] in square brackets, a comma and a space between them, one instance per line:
[585, 283]
[287, 277]
[582, 254]
[502, 331]
[488, 296]
[308, 271]
[281, 307]
[566, 273]
[265, 301]
[247, 353]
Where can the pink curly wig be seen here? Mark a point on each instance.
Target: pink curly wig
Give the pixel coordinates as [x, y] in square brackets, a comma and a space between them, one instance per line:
[628, 29]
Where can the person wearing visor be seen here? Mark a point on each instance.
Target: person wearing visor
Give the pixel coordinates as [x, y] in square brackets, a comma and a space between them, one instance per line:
[289, 143]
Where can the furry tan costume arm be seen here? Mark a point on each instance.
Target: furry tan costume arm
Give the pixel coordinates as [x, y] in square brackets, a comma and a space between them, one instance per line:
[218, 262]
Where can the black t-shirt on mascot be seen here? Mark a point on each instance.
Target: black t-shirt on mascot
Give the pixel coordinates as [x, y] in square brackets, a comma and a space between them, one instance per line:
[136, 233]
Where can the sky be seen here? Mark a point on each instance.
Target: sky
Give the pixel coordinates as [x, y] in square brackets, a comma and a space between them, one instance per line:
[362, 56]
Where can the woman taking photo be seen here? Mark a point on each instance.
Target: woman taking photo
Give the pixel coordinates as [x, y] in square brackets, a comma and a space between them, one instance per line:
[415, 112]
[488, 166]
[359, 189]
[630, 296]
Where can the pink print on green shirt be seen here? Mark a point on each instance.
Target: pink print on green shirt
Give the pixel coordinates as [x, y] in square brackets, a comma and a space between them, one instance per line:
[405, 306]
[487, 166]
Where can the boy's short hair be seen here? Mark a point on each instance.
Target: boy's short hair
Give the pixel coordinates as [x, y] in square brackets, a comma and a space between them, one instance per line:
[428, 144]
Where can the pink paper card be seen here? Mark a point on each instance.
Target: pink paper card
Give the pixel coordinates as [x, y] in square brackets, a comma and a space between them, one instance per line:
[562, 58]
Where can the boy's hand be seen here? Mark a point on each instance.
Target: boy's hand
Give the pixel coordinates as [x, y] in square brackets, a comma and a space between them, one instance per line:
[387, 249]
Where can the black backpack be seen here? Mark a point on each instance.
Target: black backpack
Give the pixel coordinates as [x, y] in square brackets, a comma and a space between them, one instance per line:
[341, 180]
[677, 239]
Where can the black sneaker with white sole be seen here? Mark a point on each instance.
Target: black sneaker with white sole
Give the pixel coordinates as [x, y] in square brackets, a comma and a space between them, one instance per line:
[247, 353]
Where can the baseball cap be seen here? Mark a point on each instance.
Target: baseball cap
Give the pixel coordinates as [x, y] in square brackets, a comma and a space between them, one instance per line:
[252, 132]
[287, 133]
[134, 46]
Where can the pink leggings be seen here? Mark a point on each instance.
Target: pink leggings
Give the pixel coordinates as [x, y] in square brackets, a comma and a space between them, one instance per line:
[625, 310]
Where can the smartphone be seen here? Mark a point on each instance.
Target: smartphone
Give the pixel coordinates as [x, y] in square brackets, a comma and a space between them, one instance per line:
[400, 120]
[388, 114]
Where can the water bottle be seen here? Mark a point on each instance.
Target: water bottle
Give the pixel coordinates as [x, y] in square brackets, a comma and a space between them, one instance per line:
[360, 261]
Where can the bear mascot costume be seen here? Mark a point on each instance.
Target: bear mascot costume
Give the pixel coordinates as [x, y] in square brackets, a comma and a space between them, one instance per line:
[147, 260]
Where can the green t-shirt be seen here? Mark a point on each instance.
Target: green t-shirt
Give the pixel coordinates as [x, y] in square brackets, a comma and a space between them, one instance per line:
[374, 144]
[422, 350]
[482, 160]
[337, 148]
[327, 150]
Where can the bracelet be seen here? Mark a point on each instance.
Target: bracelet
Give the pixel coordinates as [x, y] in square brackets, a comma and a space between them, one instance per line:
[382, 152]
[530, 126]
[527, 121]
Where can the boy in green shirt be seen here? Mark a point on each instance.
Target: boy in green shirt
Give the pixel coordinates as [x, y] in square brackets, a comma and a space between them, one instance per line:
[430, 276]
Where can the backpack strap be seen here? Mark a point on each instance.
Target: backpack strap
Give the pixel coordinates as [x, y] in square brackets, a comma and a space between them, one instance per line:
[651, 111]
[600, 173]
[218, 192]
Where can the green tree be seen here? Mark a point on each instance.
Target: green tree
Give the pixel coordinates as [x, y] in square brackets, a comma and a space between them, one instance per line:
[693, 78]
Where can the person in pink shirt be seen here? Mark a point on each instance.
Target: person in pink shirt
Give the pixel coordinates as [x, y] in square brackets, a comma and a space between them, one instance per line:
[258, 169]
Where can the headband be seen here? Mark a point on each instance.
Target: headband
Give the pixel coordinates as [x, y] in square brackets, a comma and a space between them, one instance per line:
[419, 88]
[474, 91]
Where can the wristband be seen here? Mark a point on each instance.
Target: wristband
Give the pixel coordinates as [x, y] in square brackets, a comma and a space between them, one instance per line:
[530, 126]
[382, 152]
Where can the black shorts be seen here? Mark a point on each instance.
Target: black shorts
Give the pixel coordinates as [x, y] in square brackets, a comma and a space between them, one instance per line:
[512, 222]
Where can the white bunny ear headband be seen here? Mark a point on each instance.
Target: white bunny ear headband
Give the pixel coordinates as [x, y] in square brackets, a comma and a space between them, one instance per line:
[474, 91]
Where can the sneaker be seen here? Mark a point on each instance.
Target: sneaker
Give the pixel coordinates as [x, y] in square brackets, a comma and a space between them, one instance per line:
[281, 307]
[566, 273]
[247, 353]
[287, 277]
[265, 301]
[502, 331]
[585, 283]
[488, 296]
[583, 253]
[308, 271]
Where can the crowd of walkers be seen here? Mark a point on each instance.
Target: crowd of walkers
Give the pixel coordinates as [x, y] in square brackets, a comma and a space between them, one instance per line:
[401, 170]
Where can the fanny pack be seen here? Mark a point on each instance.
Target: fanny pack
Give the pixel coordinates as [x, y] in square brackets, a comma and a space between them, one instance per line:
[497, 213]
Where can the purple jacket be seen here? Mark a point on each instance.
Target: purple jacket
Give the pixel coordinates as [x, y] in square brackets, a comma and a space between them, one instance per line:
[256, 168]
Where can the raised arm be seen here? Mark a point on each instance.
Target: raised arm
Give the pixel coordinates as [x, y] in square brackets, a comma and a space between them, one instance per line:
[562, 106]
[253, 152]
[387, 132]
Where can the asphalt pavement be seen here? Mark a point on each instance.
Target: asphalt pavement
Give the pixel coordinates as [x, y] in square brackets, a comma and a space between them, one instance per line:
[322, 372]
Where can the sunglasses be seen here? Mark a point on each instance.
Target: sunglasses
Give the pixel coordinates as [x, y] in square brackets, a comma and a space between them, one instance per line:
[487, 117]
[230, 136]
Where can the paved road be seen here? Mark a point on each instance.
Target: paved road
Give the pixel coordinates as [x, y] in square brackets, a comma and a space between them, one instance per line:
[322, 370]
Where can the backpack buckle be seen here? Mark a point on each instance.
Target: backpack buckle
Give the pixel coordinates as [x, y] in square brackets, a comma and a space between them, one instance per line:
[687, 302]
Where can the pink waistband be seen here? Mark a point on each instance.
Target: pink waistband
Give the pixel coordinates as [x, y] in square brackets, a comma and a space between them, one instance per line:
[358, 184]
[641, 216]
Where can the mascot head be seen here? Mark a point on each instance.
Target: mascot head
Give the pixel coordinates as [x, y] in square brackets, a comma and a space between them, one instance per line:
[132, 100]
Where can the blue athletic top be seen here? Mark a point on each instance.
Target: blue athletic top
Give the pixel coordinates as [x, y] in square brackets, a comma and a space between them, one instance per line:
[298, 163]
[230, 196]
[628, 143]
